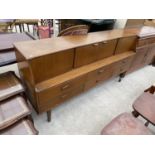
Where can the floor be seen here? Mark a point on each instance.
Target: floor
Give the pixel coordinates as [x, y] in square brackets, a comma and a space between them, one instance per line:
[89, 112]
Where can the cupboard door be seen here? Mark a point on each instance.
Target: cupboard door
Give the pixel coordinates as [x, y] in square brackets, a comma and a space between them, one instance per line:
[139, 59]
[150, 55]
[48, 66]
[106, 49]
[126, 44]
[91, 53]
[85, 55]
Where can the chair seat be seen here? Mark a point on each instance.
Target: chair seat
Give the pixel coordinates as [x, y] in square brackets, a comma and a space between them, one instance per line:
[145, 106]
[9, 85]
[125, 124]
[23, 127]
[7, 57]
[12, 110]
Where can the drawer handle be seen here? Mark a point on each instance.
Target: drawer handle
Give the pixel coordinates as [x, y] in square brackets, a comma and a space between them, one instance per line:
[101, 71]
[65, 87]
[105, 42]
[64, 96]
[96, 44]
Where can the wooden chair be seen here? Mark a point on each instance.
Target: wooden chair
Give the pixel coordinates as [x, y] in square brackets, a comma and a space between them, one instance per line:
[125, 124]
[144, 106]
[75, 30]
[7, 27]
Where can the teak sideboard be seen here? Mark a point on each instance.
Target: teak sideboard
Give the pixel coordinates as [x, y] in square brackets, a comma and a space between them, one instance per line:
[56, 69]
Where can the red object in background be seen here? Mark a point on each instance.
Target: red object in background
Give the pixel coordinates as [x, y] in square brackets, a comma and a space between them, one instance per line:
[45, 32]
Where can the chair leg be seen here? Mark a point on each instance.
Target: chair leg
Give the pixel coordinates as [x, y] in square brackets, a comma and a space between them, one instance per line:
[135, 113]
[150, 90]
[49, 116]
[147, 123]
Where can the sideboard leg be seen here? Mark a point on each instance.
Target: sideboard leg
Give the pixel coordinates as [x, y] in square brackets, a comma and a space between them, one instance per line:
[49, 116]
[121, 76]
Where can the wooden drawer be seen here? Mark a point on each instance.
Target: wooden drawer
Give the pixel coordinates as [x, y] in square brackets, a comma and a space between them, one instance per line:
[52, 92]
[151, 40]
[122, 66]
[52, 102]
[142, 42]
[51, 65]
[126, 44]
[91, 53]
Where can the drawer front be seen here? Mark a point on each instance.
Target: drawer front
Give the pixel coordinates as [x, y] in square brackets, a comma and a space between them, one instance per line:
[151, 40]
[46, 95]
[126, 44]
[91, 53]
[150, 55]
[60, 99]
[105, 73]
[142, 42]
[48, 66]
[91, 79]
[106, 49]
[123, 66]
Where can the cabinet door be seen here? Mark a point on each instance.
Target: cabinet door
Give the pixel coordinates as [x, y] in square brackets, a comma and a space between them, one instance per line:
[48, 66]
[85, 55]
[139, 59]
[126, 44]
[91, 53]
[150, 55]
[106, 49]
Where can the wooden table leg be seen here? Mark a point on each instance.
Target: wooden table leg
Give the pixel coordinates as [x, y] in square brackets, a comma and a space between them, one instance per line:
[49, 116]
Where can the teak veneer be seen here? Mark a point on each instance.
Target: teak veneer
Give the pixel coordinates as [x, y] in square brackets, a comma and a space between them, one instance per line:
[54, 70]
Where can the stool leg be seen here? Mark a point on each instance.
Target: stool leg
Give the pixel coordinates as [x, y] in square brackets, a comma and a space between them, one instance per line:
[49, 116]
[135, 113]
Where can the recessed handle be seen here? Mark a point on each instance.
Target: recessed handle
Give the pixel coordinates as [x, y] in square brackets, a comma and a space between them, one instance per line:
[64, 96]
[96, 44]
[101, 71]
[65, 87]
[105, 42]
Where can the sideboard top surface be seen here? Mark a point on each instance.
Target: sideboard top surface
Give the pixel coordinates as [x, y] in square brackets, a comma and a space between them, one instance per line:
[37, 48]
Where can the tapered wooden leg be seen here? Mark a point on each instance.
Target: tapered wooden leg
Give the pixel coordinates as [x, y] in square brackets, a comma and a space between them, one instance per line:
[122, 75]
[150, 90]
[49, 116]
[135, 113]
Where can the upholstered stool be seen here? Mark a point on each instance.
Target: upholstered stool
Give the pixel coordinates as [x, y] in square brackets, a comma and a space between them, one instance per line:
[23, 127]
[145, 106]
[125, 124]
[9, 85]
[12, 110]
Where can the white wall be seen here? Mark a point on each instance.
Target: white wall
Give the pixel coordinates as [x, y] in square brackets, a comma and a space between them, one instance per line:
[120, 23]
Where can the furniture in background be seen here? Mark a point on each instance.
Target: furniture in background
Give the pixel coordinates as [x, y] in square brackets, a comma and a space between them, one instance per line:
[70, 65]
[75, 30]
[134, 23]
[93, 24]
[145, 106]
[14, 111]
[46, 29]
[125, 124]
[6, 25]
[7, 53]
[21, 22]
